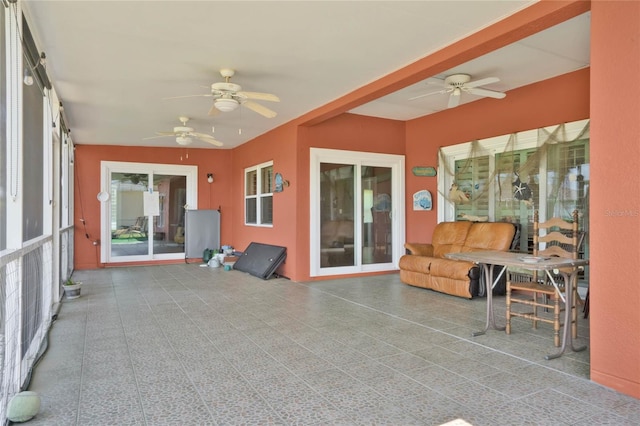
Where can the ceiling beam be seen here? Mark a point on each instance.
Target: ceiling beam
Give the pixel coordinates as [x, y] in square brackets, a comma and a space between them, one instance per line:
[531, 20]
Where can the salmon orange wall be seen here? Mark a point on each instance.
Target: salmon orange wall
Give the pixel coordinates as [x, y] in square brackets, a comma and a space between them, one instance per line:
[615, 202]
[279, 146]
[87, 186]
[357, 133]
[554, 101]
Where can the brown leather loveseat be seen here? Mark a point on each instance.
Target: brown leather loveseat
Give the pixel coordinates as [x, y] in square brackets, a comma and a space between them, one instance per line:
[426, 265]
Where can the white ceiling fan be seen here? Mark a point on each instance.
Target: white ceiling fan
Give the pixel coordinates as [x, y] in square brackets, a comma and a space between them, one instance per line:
[184, 135]
[456, 84]
[228, 96]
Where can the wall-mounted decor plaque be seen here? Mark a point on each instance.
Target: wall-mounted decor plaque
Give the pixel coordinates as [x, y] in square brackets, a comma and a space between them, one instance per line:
[424, 171]
[422, 200]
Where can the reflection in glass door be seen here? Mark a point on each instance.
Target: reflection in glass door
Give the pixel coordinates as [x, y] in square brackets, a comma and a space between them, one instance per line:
[168, 226]
[131, 234]
[355, 213]
[129, 225]
[336, 214]
[143, 218]
[377, 194]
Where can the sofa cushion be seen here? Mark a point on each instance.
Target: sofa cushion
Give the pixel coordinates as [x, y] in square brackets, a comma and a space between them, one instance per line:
[419, 249]
[455, 269]
[449, 237]
[489, 236]
[415, 263]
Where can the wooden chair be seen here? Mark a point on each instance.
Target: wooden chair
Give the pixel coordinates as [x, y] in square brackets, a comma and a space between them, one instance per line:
[562, 239]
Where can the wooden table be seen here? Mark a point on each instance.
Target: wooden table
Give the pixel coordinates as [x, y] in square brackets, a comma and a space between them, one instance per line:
[488, 259]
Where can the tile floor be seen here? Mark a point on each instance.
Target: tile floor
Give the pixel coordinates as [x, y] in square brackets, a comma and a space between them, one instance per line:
[187, 345]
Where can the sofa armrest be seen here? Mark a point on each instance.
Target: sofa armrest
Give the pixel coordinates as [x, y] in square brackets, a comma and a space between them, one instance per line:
[419, 249]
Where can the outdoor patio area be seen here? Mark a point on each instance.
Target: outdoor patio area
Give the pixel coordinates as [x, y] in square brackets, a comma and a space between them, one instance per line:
[191, 345]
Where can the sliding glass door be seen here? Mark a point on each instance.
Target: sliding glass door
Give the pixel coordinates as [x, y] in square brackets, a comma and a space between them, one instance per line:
[357, 214]
[143, 209]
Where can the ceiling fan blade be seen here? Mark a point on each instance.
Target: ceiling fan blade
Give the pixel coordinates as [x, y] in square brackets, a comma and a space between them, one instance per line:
[435, 81]
[488, 93]
[262, 110]
[207, 138]
[208, 95]
[259, 96]
[454, 100]
[428, 94]
[213, 110]
[481, 82]
[214, 142]
[160, 135]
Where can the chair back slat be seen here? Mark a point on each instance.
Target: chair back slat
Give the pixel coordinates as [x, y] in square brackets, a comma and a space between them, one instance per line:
[557, 222]
[556, 251]
[557, 237]
[562, 239]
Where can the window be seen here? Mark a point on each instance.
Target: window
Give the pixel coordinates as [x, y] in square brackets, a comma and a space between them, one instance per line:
[258, 194]
[508, 177]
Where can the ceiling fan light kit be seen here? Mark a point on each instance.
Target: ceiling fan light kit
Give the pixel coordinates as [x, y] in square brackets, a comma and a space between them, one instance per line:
[226, 104]
[183, 140]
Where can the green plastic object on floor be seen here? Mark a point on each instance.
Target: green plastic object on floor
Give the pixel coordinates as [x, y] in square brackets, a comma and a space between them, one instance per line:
[23, 406]
[207, 254]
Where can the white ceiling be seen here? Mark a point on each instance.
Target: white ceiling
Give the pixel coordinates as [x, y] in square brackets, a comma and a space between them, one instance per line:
[113, 62]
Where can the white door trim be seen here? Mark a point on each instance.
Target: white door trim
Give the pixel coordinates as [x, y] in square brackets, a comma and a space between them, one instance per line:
[108, 167]
[359, 159]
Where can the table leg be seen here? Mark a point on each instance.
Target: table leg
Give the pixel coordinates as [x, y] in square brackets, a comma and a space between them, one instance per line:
[491, 320]
[571, 281]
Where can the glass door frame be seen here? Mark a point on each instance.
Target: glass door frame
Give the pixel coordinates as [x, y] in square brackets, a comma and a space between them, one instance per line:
[109, 167]
[359, 159]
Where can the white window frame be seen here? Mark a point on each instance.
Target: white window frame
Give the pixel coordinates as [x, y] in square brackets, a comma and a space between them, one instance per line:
[258, 196]
[492, 146]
